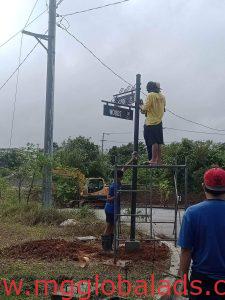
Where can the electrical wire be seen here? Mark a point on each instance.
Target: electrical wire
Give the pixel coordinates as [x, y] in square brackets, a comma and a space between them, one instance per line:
[193, 131]
[125, 81]
[61, 23]
[119, 133]
[18, 75]
[93, 54]
[60, 1]
[93, 8]
[117, 142]
[22, 62]
[171, 128]
[14, 35]
[16, 93]
[31, 13]
[17, 82]
[193, 122]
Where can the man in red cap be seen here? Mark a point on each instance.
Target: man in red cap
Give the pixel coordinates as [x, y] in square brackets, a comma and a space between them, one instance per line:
[202, 240]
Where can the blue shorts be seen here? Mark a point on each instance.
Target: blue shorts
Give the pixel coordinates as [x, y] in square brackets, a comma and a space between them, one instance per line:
[110, 218]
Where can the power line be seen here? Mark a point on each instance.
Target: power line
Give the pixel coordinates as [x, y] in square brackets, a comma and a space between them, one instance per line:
[117, 142]
[193, 122]
[193, 131]
[125, 81]
[188, 120]
[18, 75]
[93, 8]
[22, 62]
[93, 54]
[16, 93]
[126, 143]
[119, 133]
[60, 1]
[31, 13]
[18, 32]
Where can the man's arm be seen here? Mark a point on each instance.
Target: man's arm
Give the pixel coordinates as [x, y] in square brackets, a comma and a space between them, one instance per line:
[111, 194]
[185, 261]
[186, 242]
[133, 160]
[145, 107]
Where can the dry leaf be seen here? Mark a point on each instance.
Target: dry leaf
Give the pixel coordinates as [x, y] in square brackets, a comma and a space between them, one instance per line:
[83, 261]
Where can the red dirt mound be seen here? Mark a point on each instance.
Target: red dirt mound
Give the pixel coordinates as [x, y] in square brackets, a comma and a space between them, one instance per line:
[149, 251]
[57, 249]
[50, 249]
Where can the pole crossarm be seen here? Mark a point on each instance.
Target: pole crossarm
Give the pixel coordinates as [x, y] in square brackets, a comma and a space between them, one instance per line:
[36, 35]
[40, 42]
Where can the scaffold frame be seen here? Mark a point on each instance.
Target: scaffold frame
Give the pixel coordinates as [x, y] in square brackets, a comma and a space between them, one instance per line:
[147, 217]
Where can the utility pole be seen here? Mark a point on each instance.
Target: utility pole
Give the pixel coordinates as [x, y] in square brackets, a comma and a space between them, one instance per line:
[135, 170]
[49, 111]
[103, 140]
[50, 87]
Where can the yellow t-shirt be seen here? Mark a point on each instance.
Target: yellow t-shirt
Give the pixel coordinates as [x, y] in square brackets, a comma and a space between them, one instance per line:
[154, 108]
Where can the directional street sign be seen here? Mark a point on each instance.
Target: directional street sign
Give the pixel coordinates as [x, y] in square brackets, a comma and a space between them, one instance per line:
[125, 98]
[118, 112]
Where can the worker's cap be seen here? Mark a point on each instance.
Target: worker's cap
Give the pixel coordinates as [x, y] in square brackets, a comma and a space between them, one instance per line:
[158, 85]
[153, 86]
[214, 180]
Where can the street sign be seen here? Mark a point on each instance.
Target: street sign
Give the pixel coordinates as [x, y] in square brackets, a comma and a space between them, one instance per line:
[118, 112]
[127, 98]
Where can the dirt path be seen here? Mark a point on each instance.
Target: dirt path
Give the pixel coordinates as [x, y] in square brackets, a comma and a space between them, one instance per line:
[158, 215]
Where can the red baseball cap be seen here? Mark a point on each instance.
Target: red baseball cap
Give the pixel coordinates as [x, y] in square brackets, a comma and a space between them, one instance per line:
[214, 180]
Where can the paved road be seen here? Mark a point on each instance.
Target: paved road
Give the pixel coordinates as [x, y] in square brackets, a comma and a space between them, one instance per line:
[158, 214]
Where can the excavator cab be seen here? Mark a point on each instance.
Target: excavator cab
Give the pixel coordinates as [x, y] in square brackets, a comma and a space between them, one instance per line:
[95, 192]
[95, 185]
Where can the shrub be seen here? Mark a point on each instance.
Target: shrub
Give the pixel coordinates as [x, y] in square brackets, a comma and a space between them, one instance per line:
[32, 214]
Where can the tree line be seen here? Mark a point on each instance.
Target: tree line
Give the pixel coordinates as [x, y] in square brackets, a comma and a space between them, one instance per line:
[82, 158]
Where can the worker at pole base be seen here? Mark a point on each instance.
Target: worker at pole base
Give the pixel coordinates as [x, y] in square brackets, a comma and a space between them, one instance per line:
[154, 108]
[202, 240]
[108, 236]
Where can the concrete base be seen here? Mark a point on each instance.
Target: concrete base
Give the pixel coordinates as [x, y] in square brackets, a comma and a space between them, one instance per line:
[132, 246]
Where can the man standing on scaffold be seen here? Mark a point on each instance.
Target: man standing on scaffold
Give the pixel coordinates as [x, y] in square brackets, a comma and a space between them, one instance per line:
[154, 108]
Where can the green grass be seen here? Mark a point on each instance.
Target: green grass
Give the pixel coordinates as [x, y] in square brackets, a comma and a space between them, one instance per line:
[34, 213]
[21, 222]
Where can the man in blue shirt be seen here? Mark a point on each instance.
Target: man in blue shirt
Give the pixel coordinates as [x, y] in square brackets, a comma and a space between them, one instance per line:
[202, 240]
[112, 206]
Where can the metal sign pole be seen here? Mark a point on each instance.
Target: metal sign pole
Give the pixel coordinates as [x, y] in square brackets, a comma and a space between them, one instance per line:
[135, 170]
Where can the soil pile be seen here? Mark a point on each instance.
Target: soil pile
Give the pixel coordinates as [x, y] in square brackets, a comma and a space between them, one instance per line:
[56, 249]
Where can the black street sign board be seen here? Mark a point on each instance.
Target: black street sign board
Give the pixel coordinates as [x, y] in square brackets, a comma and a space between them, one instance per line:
[125, 98]
[118, 112]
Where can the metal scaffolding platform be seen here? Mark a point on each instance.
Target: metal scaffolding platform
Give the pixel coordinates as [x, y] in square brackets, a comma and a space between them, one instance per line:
[146, 215]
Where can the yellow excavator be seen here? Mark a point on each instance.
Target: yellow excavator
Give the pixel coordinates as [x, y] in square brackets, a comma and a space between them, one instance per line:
[95, 192]
[88, 191]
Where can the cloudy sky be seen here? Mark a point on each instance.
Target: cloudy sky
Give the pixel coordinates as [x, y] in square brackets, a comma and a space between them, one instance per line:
[180, 43]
